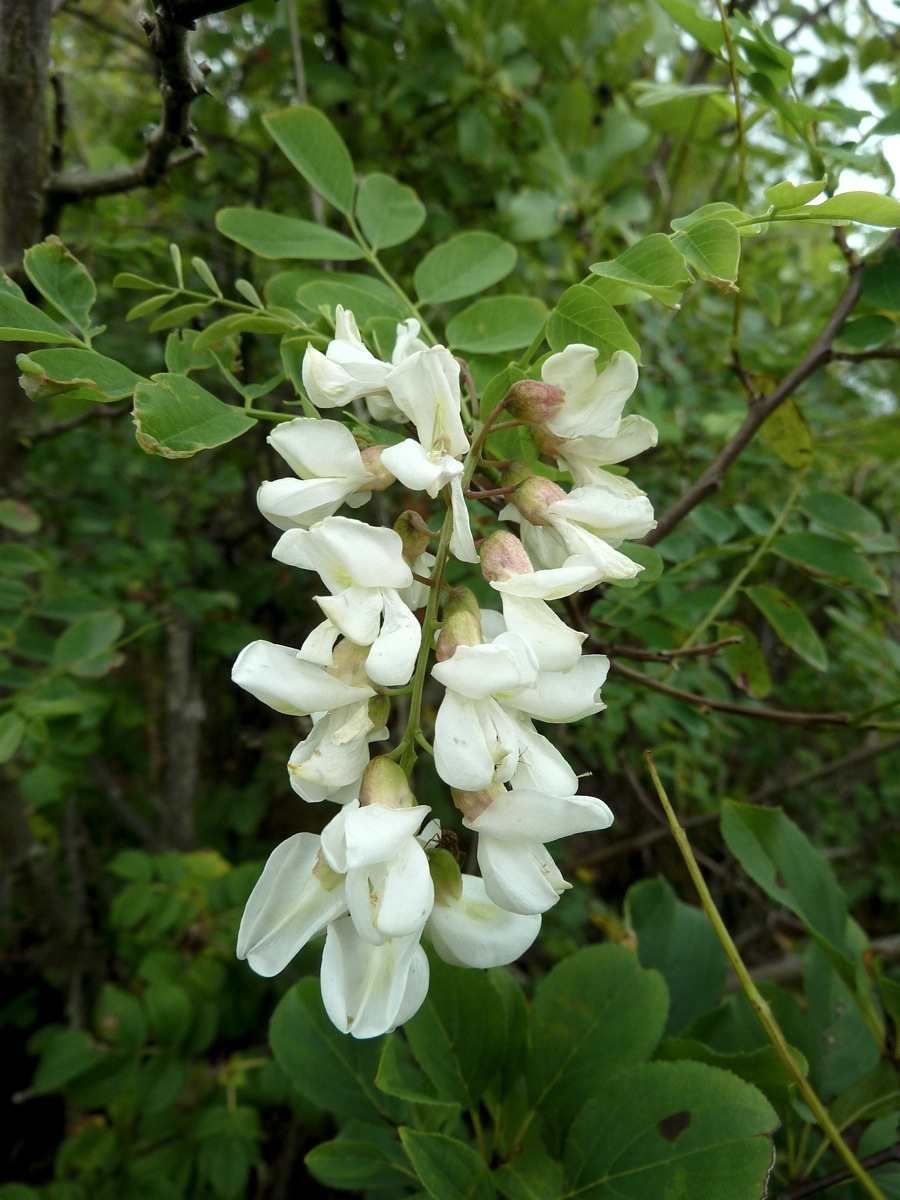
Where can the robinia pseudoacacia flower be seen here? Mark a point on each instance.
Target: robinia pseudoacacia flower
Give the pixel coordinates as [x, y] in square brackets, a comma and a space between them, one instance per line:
[384, 874]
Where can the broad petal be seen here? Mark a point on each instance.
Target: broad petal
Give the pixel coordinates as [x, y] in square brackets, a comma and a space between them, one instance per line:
[299, 503]
[358, 553]
[475, 932]
[593, 403]
[634, 436]
[275, 675]
[405, 894]
[475, 741]
[411, 463]
[533, 815]
[408, 341]
[583, 544]
[425, 386]
[329, 384]
[541, 765]
[565, 695]
[557, 646]
[356, 613]
[606, 512]
[287, 907]
[498, 669]
[316, 449]
[360, 836]
[520, 876]
[318, 646]
[367, 990]
[551, 584]
[392, 658]
[333, 756]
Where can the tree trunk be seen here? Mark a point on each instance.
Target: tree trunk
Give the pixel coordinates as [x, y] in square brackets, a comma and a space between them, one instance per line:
[24, 69]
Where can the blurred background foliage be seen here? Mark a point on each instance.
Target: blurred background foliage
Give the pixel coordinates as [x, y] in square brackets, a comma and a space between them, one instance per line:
[142, 791]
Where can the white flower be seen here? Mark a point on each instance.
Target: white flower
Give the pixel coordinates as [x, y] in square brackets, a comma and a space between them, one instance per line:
[329, 763]
[364, 569]
[330, 468]
[296, 896]
[288, 682]
[472, 931]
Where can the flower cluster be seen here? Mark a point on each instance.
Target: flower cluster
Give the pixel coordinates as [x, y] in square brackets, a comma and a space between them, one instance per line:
[383, 873]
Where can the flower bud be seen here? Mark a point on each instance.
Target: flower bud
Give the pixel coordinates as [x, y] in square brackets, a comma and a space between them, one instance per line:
[460, 624]
[534, 497]
[379, 712]
[446, 877]
[473, 804]
[547, 442]
[514, 473]
[328, 878]
[381, 477]
[503, 555]
[384, 782]
[414, 534]
[531, 401]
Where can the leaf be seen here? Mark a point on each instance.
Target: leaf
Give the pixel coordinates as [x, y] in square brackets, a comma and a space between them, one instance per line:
[533, 1175]
[719, 209]
[181, 314]
[865, 333]
[84, 648]
[583, 316]
[497, 324]
[790, 623]
[787, 434]
[448, 1169]
[678, 941]
[824, 555]
[653, 266]
[388, 212]
[16, 559]
[467, 263]
[763, 1067]
[48, 372]
[840, 513]
[68, 1054]
[169, 1012]
[781, 860]
[707, 33]
[362, 1156]
[745, 662]
[22, 322]
[713, 248]
[12, 730]
[596, 1013]
[366, 298]
[272, 236]
[332, 1071]
[314, 147]
[60, 278]
[19, 516]
[789, 195]
[398, 1075]
[867, 208]
[176, 417]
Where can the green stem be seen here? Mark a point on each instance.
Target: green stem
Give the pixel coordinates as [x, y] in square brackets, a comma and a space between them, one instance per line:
[264, 415]
[525, 360]
[738, 106]
[758, 1002]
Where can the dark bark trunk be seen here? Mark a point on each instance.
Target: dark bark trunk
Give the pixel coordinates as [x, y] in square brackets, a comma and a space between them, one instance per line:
[24, 67]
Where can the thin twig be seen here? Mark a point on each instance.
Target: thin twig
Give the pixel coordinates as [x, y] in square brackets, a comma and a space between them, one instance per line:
[99, 412]
[664, 656]
[799, 1191]
[758, 1002]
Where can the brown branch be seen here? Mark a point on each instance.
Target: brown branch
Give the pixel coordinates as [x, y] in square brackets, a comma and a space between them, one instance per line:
[824, 772]
[98, 412]
[664, 656]
[185, 712]
[170, 144]
[799, 1191]
[762, 407]
[187, 12]
[865, 355]
[779, 715]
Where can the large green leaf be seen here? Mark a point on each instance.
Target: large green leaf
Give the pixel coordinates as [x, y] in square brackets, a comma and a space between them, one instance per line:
[22, 322]
[745, 662]
[532, 1175]
[581, 315]
[838, 512]
[366, 298]
[763, 1067]
[781, 860]
[12, 730]
[790, 195]
[671, 1129]
[707, 33]
[678, 941]
[868, 208]
[67, 1054]
[786, 432]
[316, 149]
[651, 267]
[595, 1014]
[48, 372]
[462, 266]
[712, 247]
[388, 212]
[447, 1168]
[60, 278]
[497, 324]
[790, 623]
[85, 647]
[272, 236]
[363, 1155]
[827, 556]
[332, 1071]
[176, 417]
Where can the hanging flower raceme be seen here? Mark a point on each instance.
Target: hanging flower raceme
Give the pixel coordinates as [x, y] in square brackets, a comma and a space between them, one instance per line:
[382, 876]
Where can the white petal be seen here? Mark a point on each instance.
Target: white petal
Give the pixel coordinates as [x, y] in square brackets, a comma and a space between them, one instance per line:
[607, 513]
[356, 613]
[576, 575]
[408, 340]
[541, 765]
[411, 463]
[498, 669]
[475, 742]
[334, 755]
[475, 932]
[406, 895]
[593, 403]
[292, 503]
[392, 658]
[362, 835]
[528, 815]
[367, 990]
[520, 876]
[316, 449]
[275, 675]
[583, 544]
[287, 907]
[565, 695]
[329, 384]
[557, 646]
[318, 646]
[425, 387]
[462, 544]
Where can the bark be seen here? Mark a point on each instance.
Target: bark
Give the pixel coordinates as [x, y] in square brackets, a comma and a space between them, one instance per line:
[24, 77]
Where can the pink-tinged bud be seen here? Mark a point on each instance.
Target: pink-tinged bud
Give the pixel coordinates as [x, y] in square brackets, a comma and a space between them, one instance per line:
[533, 498]
[473, 804]
[348, 662]
[503, 555]
[514, 473]
[381, 476]
[384, 782]
[379, 712]
[327, 877]
[531, 401]
[446, 877]
[414, 533]
[460, 624]
[548, 443]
